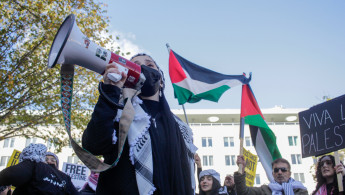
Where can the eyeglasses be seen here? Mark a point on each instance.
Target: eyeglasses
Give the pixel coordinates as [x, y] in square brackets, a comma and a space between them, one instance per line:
[283, 169]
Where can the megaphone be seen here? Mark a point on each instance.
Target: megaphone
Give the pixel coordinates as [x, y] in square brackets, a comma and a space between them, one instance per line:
[71, 46]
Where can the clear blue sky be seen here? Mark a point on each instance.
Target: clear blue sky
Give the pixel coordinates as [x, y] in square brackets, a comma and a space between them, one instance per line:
[295, 49]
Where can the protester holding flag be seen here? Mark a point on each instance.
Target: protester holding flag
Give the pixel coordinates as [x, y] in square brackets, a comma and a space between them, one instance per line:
[157, 157]
[229, 183]
[34, 176]
[326, 176]
[282, 184]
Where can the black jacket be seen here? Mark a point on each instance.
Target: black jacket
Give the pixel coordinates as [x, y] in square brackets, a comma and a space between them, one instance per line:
[36, 178]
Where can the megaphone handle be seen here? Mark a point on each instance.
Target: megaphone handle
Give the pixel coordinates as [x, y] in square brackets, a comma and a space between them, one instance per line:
[107, 99]
[114, 77]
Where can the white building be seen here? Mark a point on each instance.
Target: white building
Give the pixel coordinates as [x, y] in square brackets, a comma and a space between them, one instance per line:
[216, 134]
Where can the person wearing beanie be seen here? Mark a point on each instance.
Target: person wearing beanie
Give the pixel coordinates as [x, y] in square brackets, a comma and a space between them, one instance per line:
[209, 183]
[52, 159]
[32, 175]
[158, 152]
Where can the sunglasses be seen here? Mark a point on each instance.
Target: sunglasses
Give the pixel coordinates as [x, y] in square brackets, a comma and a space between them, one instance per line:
[283, 169]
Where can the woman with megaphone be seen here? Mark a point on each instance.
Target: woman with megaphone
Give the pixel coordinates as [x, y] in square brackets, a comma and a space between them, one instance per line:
[157, 155]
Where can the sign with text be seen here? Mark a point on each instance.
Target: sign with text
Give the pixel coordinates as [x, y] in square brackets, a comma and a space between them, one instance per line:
[251, 163]
[78, 173]
[323, 127]
[14, 158]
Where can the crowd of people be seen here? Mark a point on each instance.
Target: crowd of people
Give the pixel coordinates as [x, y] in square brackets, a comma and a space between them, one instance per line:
[157, 154]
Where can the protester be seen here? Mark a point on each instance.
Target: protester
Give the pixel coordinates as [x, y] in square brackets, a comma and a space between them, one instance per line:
[90, 186]
[52, 159]
[32, 175]
[326, 176]
[158, 155]
[282, 184]
[209, 183]
[229, 183]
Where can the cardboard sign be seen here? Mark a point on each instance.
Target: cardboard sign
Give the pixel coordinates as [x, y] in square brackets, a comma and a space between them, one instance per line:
[78, 173]
[251, 163]
[323, 128]
[14, 158]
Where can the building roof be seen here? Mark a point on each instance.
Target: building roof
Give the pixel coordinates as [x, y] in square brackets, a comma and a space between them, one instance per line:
[276, 114]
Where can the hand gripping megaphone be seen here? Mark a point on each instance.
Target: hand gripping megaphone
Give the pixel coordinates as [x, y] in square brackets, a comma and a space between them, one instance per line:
[71, 46]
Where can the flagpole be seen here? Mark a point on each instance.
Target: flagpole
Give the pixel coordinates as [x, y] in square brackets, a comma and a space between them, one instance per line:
[240, 167]
[184, 110]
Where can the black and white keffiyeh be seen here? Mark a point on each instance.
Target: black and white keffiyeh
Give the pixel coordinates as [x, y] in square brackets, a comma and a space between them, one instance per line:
[288, 187]
[34, 152]
[140, 147]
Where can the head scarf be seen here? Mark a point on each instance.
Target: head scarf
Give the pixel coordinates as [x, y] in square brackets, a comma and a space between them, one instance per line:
[34, 152]
[56, 158]
[210, 172]
[160, 70]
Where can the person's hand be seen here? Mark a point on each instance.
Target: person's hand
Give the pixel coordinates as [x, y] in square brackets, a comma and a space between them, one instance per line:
[197, 160]
[240, 161]
[340, 169]
[112, 68]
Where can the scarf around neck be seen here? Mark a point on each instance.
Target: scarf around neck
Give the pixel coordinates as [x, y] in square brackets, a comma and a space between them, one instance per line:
[181, 148]
[287, 188]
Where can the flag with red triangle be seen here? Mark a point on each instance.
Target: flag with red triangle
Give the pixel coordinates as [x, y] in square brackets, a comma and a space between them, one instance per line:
[193, 83]
[262, 136]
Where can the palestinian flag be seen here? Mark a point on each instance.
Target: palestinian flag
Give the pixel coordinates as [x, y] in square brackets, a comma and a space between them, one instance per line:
[192, 82]
[263, 138]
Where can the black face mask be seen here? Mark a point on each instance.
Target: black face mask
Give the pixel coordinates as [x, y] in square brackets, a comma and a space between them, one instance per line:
[152, 82]
[52, 165]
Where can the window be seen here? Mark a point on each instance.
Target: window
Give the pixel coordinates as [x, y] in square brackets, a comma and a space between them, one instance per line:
[299, 177]
[226, 142]
[207, 160]
[296, 159]
[257, 179]
[30, 141]
[6, 141]
[227, 160]
[206, 141]
[73, 159]
[12, 142]
[230, 160]
[229, 142]
[4, 160]
[248, 141]
[292, 140]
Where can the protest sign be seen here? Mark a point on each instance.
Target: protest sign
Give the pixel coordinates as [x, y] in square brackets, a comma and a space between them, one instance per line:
[251, 163]
[323, 127]
[78, 173]
[14, 158]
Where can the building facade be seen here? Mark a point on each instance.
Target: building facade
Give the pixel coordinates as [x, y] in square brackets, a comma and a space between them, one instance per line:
[216, 134]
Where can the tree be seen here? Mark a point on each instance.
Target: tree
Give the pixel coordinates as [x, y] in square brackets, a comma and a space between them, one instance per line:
[30, 92]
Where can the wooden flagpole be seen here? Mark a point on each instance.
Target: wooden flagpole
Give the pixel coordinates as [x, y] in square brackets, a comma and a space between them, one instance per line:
[339, 175]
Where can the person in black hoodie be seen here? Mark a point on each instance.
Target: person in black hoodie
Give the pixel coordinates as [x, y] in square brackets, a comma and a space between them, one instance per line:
[34, 176]
[158, 153]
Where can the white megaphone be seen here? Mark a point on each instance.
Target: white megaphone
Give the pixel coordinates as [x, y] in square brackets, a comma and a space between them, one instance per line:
[71, 46]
